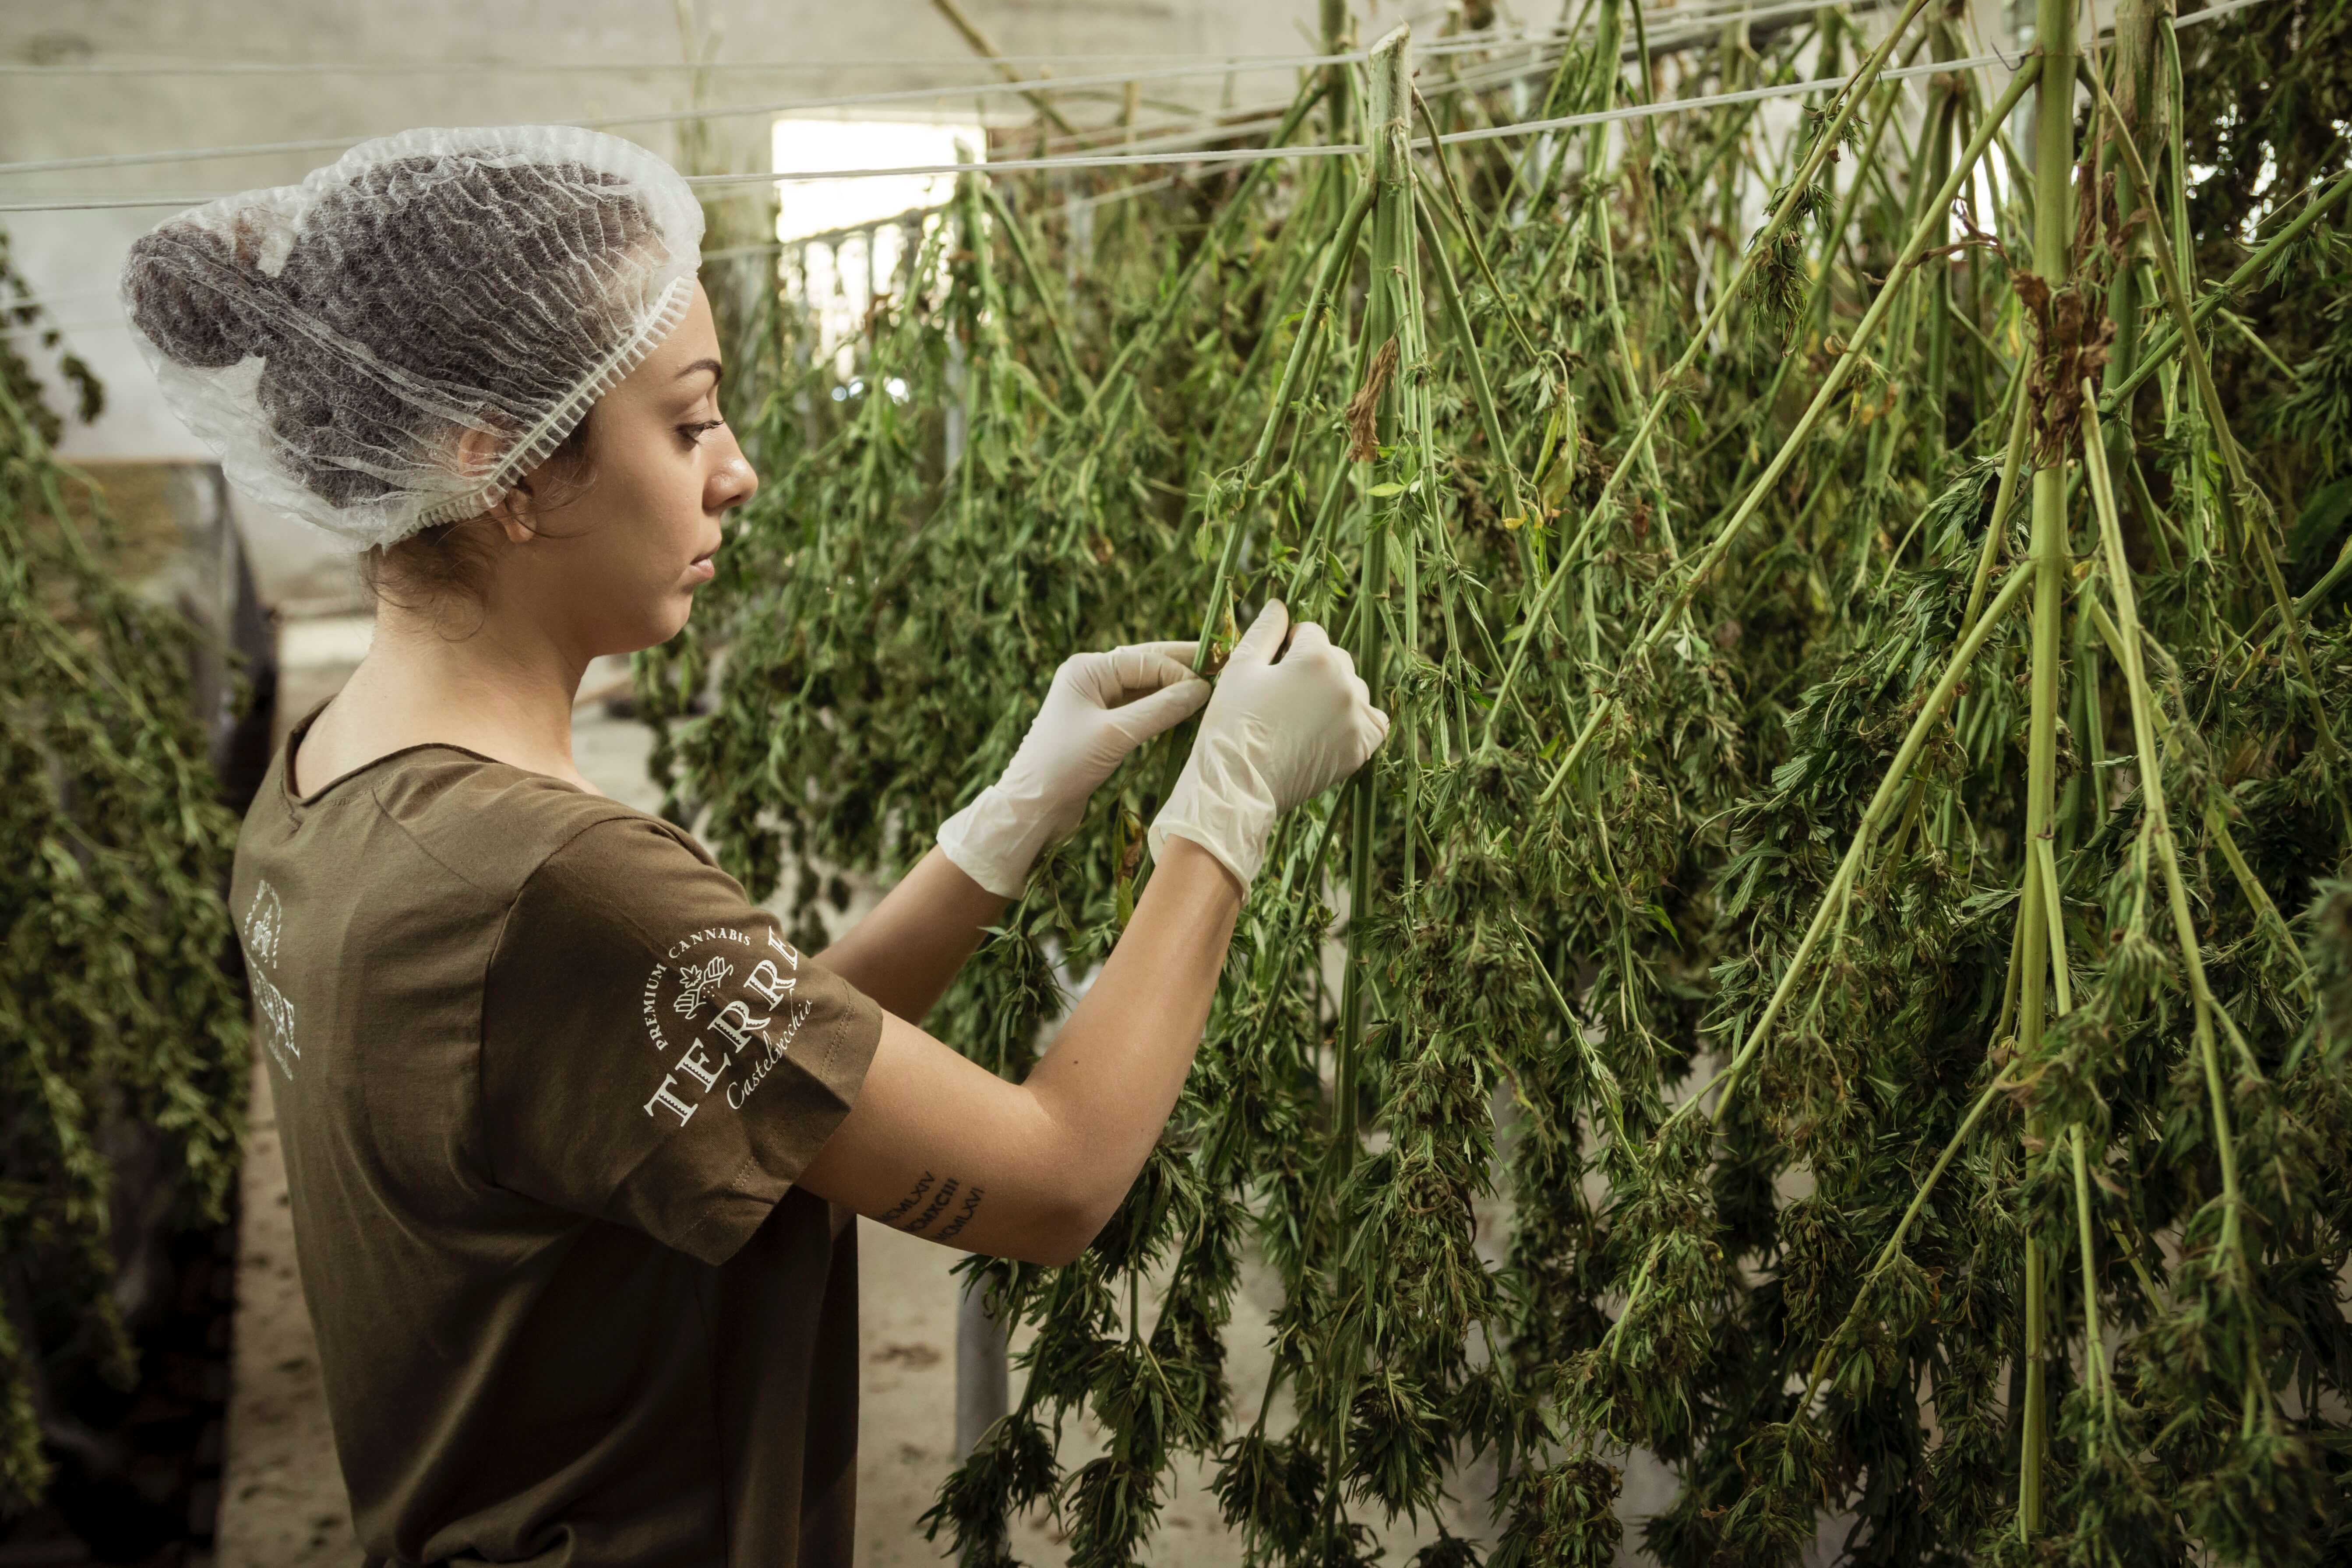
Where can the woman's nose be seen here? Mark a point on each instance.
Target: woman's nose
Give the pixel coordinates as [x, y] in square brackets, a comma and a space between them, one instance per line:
[732, 484]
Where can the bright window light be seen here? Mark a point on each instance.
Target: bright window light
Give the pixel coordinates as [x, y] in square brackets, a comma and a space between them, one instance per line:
[841, 274]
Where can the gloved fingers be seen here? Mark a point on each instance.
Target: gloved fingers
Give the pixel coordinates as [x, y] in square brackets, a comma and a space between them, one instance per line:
[1171, 705]
[1182, 650]
[1258, 644]
[1363, 692]
[1144, 668]
[1109, 679]
[1308, 639]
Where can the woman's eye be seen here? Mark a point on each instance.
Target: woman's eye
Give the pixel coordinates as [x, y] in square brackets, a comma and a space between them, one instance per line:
[694, 433]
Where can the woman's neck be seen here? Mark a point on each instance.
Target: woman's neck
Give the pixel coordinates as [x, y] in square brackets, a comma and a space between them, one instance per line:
[504, 691]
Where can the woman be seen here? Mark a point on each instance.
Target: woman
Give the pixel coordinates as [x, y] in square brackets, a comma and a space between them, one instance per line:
[573, 1137]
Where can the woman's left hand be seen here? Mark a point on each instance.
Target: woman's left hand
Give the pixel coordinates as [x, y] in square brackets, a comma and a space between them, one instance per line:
[1101, 707]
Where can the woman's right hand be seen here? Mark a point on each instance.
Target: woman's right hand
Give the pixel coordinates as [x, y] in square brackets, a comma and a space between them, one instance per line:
[1278, 731]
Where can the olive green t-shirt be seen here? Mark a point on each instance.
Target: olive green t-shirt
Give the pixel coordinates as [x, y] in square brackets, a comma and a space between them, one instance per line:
[545, 1079]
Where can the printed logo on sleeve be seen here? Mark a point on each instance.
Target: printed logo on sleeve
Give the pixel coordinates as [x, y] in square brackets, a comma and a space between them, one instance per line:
[264, 926]
[704, 1034]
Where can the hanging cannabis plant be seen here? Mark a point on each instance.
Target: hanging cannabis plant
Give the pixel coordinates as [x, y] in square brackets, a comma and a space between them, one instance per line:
[114, 1008]
[1860, 864]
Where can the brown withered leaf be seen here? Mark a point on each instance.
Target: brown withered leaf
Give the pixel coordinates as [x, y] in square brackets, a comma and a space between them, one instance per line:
[1363, 409]
[2071, 335]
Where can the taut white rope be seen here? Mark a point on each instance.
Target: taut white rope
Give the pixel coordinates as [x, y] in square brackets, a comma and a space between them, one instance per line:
[1205, 66]
[1224, 155]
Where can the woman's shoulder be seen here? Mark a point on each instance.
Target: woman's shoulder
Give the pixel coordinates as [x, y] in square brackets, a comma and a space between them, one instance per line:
[497, 824]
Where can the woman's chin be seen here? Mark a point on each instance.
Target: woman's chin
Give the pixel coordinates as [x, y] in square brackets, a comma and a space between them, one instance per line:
[675, 615]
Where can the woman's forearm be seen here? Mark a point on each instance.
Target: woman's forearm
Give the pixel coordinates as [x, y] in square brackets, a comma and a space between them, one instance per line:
[1039, 1166]
[910, 947]
[1111, 1077]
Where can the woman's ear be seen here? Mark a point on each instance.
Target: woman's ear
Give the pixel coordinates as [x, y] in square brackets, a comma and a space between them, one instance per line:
[479, 451]
[515, 515]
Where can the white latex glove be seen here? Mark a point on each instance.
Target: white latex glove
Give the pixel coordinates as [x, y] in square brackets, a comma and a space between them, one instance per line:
[1101, 706]
[1277, 732]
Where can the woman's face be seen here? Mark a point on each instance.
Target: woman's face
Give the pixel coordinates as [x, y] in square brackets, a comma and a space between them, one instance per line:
[616, 565]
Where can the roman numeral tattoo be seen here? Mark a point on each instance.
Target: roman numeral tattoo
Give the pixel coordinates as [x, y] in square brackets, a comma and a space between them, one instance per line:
[940, 1194]
[899, 1208]
[963, 1216]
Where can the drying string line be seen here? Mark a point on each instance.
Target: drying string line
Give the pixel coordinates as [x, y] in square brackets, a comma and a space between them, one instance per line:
[1137, 159]
[1492, 39]
[1237, 156]
[722, 111]
[1268, 112]
[661, 116]
[1192, 71]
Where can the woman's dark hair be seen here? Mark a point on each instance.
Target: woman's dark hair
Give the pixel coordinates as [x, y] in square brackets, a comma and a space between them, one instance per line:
[452, 559]
[393, 262]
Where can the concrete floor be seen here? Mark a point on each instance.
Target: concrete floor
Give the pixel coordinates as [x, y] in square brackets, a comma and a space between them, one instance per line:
[284, 1504]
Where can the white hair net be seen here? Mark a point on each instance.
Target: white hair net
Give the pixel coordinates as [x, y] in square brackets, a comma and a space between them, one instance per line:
[336, 341]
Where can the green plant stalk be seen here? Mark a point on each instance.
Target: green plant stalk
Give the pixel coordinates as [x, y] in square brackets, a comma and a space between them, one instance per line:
[1623, 354]
[2161, 349]
[2238, 324]
[1946, 116]
[1848, 100]
[1813, 311]
[1461, 215]
[1138, 350]
[2326, 584]
[1338, 81]
[2095, 1353]
[2083, 802]
[2255, 528]
[1299, 271]
[2216, 824]
[1014, 232]
[2053, 162]
[2133, 69]
[975, 366]
[1932, 154]
[1482, 390]
[1386, 108]
[2012, 463]
[1324, 513]
[1600, 90]
[1337, 258]
[2193, 487]
[1704, 562]
[1604, 98]
[1881, 800]
[1886, 1254]
[2158, 830]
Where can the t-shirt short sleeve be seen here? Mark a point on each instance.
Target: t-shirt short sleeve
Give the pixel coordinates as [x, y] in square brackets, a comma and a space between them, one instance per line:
[653, 1052]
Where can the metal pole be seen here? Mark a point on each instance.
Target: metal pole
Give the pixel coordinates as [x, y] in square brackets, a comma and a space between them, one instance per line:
[983, 1382]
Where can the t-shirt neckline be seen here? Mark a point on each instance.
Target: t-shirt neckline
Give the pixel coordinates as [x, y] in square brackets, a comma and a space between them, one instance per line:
[297, 803]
